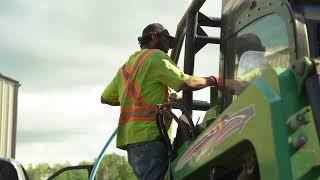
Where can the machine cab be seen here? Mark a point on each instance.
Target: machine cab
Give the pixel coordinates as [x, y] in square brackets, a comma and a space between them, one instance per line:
[272, 47]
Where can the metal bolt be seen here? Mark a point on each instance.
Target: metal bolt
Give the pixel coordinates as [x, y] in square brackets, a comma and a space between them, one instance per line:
[253, 5]
[299, 141]
[300, 118]
[296, 122]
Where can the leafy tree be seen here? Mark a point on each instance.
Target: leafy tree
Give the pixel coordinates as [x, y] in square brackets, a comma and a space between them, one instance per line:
[39, 171]
[112, 167]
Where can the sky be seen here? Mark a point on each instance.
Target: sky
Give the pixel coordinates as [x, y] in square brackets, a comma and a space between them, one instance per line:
[64, 53]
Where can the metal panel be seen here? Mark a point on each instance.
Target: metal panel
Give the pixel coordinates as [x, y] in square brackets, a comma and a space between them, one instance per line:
[8, 116]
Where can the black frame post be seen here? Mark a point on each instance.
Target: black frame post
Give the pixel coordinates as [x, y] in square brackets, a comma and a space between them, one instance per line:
[189, 56]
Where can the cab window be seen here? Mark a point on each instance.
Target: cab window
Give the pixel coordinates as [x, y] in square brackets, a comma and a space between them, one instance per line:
[263, 42]
[268, 41]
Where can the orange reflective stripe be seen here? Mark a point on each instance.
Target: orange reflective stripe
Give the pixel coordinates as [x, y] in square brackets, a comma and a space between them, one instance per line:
[141, 57]
[138, 96]
[125, 73]
[130, 92]
[127, 68]
[124, 121]
[132, 89]
[137, 113]
[136, 64]
[140, 111]
[125, 80]
[138, 108]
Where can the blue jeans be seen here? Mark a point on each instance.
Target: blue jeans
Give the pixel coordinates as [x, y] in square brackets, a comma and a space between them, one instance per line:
[149, 160]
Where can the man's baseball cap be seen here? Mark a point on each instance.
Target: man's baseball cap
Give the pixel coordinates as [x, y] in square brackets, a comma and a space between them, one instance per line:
[158, 29]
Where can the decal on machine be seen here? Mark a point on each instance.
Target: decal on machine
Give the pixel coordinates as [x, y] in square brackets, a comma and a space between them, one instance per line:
[216, 133]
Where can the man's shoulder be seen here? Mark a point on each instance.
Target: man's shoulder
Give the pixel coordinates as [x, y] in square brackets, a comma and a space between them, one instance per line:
[156, 53]
[159, 53]
[159, 57]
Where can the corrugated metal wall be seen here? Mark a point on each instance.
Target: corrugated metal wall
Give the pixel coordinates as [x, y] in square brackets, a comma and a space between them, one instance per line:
[8, 116]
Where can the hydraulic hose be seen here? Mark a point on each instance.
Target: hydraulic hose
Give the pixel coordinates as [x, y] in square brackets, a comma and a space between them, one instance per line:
[163, 132]
[100, 157]
[164, 110]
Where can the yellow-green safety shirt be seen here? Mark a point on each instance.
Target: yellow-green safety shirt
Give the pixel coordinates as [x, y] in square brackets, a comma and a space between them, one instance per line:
[153, 77]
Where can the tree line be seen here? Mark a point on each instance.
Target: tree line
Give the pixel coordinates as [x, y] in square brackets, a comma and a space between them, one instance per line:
[112, 167]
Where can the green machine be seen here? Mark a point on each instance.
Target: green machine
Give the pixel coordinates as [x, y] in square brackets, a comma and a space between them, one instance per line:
[268, 129]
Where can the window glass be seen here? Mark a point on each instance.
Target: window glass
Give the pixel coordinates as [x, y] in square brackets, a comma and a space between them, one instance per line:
[264, 43]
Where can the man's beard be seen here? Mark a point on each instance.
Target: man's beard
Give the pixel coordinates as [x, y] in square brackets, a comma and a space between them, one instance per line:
[159, 45]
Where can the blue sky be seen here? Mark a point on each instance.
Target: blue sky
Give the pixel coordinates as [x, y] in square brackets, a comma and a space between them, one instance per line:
[64, 53]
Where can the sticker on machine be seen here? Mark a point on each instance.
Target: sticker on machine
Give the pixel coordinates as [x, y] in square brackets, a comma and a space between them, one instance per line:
[217, 133]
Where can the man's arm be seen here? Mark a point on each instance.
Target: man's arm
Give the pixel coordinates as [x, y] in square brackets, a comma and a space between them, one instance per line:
[194, 83]
[165, 71]
[104, 101]
[110, 94]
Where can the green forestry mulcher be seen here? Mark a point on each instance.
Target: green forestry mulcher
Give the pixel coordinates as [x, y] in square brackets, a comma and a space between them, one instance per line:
[270, 128]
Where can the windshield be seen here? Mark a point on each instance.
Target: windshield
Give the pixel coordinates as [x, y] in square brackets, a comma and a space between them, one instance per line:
[250, 61]
[255, 61]
[258, 47]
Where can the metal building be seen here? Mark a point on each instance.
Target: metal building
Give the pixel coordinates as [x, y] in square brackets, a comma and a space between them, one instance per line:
[8, 116]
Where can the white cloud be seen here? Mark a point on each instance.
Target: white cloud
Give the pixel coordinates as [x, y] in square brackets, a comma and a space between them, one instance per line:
[74, 150]
[63, 126]
[69, 109]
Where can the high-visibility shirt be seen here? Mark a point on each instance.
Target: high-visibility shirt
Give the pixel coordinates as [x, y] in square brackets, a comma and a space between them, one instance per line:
[154, 75]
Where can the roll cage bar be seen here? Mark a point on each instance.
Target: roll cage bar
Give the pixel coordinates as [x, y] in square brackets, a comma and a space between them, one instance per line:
[190, 27]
